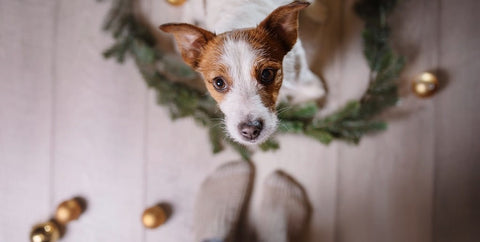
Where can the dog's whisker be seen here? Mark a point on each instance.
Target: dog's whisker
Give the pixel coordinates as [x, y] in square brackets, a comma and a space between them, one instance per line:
[282, 110]
[217, 124]
[245, 99]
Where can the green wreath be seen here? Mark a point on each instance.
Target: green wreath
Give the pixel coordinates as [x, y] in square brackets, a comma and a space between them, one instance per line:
[172, 80]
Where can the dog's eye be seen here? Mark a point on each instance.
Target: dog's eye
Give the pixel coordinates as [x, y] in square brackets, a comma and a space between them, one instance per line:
[219, 84]
[267, 76]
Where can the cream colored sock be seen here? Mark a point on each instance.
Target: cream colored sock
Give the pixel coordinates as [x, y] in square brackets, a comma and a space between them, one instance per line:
[221, 201]
[284, 210]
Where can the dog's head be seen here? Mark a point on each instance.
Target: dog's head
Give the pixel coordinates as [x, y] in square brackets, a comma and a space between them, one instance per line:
[242, 69]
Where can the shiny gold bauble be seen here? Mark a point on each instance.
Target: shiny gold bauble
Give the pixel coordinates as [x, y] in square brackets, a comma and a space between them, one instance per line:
[68, 211]
[46, 232]
[176, 2]
[425, 84]
[154, 217]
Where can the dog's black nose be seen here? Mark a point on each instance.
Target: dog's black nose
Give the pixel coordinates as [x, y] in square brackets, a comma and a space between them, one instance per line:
[251, 130]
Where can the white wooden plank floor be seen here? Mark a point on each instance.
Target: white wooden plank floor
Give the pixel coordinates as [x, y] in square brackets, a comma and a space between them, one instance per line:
[99, 128]
[457, 141]
[72, 123]
[385, 184]
[26, 82]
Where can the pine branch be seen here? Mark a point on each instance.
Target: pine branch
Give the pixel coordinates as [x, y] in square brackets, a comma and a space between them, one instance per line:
[169, 77]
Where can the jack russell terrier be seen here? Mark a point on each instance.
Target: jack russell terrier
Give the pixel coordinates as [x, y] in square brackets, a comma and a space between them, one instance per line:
[251, 60]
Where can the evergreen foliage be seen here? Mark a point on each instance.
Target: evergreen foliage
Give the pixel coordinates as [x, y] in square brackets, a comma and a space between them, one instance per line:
[170, 77]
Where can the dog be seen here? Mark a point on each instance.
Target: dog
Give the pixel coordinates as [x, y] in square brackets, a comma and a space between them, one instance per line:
[250, 58]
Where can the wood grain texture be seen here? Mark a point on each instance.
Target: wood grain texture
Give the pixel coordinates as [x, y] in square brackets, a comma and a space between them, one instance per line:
[457, 153]
[176, 167]
[315, 168]
[313, 165]
[26, 60]
[178, 156]
[72, 123]
[99, 128]
[386, 183]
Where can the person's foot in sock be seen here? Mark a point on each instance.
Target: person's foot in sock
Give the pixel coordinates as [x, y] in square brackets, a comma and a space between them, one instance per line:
[284, 210]
[221, 201]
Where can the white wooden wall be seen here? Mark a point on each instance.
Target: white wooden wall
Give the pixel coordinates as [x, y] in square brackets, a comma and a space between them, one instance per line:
[72, 123]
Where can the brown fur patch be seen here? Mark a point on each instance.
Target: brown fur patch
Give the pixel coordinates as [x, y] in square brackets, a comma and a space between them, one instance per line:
[273, 38]
[211, 67]
[271, 55]
[190, 40]
[282, 23]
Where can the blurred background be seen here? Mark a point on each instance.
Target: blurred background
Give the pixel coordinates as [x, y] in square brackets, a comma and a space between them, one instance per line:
[75, 124]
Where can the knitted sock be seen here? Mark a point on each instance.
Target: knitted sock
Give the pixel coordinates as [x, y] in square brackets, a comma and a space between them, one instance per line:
[284, 210]
[221, 200]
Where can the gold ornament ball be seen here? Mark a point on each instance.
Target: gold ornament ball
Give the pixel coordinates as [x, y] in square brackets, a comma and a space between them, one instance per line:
[154, 217]
[425, 84]
[46, 232]
[176, 2]
[68, 211]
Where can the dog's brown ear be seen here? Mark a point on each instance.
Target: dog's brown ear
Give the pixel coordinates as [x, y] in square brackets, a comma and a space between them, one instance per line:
[282, 23]
[190, 40]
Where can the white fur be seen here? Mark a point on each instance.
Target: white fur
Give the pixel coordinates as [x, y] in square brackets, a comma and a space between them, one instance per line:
[299, 83]
[242, 103]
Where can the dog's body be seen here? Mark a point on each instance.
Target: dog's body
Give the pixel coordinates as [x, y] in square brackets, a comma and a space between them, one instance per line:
[255, 52]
